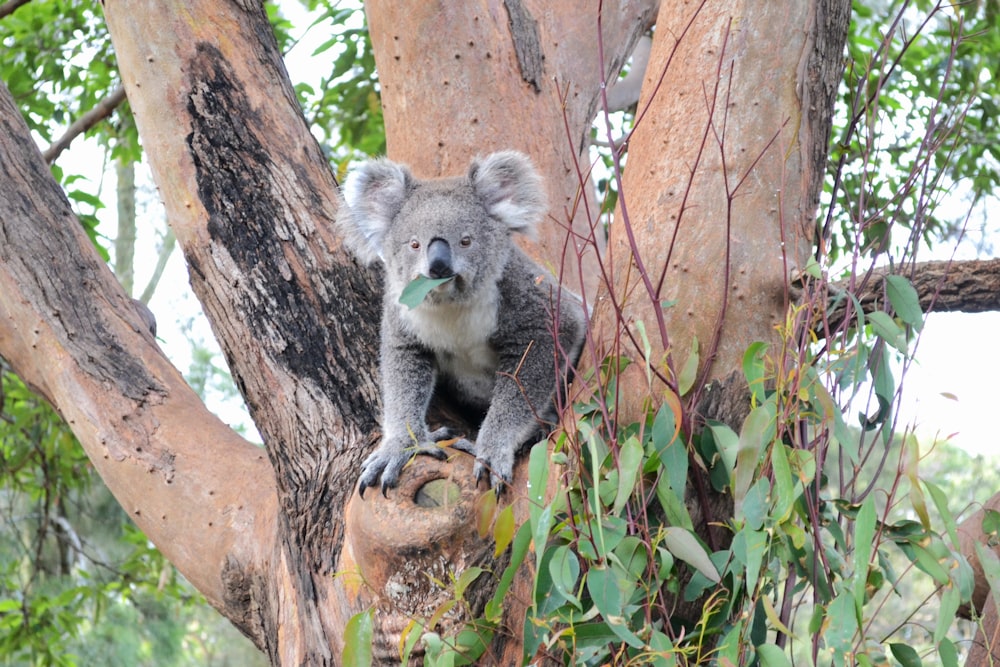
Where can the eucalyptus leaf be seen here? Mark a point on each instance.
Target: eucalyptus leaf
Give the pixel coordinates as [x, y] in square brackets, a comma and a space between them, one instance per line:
[689, 371]
[564, 567]
[886, 328]
[358, 640]
[684, 545]
[629, 463]
[603, 586]
[772, 656]
[864, 537]
[417, 290]
[904, 300]
[906, 654]
[948, 653]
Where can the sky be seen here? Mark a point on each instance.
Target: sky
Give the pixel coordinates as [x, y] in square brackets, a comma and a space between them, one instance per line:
[951, 391]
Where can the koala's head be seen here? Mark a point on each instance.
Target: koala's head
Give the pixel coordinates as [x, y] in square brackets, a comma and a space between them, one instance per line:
[456, 227]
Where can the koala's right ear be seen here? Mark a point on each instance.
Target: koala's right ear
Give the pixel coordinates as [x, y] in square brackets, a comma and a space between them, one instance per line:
[511, 189]
[373, 194]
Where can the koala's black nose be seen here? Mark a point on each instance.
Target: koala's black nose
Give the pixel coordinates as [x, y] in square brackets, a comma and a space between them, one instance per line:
[439, 259]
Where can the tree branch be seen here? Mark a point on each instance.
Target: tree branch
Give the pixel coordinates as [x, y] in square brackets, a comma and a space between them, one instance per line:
[967, 286]
[88, 120]
[71, 333]
[166, 249]
[9, 7]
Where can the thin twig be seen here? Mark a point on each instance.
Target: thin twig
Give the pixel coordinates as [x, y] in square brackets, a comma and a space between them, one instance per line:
[88, 120]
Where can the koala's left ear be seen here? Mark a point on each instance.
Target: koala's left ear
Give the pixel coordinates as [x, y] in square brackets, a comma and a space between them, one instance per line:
[511, 189]
[372, 197]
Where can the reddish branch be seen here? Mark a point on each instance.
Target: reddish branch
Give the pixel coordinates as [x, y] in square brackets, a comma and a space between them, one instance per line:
[88, 120]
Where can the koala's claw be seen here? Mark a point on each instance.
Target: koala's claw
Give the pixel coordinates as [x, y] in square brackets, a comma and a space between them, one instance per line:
[443, 433]
[499, 473]
[388, 462]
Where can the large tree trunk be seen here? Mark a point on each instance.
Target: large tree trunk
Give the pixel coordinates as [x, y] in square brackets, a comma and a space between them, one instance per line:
[252, 200]
[205, 496]
[724, 172]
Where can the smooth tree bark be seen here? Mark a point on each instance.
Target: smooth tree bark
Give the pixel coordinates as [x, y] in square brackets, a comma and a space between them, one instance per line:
[522, 74]
[719, 196]
[72, 334]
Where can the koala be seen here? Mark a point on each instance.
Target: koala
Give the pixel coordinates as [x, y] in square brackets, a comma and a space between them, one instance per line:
[487, 336]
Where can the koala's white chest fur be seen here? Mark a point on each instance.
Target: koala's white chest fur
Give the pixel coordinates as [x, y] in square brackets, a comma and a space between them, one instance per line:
[459, 336]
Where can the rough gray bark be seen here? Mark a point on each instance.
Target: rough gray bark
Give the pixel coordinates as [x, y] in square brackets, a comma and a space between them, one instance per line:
[966, 286]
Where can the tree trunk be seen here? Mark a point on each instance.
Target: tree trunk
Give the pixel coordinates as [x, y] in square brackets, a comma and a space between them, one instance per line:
[205, 496]
[522, 74]
[124, 266]
[986, 647]
[719, 199]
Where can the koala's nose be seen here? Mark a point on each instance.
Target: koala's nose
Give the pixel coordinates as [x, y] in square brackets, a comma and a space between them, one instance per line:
[439, 259]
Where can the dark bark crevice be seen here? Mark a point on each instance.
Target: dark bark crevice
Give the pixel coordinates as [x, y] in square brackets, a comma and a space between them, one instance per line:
[527, 45]
[307, 315]
[824, 71]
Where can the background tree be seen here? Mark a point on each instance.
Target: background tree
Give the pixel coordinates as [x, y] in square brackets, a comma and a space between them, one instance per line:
[250, 199]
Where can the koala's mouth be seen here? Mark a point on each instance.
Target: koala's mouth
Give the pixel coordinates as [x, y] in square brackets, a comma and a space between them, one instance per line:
[448, 290]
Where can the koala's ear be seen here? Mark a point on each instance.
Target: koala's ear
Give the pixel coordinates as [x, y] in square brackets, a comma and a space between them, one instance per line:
[511, 189]
[372, 196]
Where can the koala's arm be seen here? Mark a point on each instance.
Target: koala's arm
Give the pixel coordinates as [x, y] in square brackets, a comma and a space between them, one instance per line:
[408, 377]
[527, 374]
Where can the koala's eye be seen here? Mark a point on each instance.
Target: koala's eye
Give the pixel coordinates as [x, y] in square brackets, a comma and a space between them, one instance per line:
[415, 244]
[466, 241]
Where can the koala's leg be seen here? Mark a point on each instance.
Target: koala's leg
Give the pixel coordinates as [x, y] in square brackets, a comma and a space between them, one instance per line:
[522, 408]
[407, 387]
[521, 403]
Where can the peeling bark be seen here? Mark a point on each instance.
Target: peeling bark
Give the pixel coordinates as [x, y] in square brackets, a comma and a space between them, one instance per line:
[524, 34]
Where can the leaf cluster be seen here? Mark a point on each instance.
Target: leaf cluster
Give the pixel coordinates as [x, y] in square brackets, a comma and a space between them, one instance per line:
[917, 119]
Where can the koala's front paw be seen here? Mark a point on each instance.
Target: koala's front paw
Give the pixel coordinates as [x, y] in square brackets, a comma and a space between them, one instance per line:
[388, 461]
[498, 464]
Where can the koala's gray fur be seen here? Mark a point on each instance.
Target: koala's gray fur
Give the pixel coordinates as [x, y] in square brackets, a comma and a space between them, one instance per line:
[487, 334]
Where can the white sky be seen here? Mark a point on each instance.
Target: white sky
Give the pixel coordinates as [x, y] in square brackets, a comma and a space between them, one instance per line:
[955, 355]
